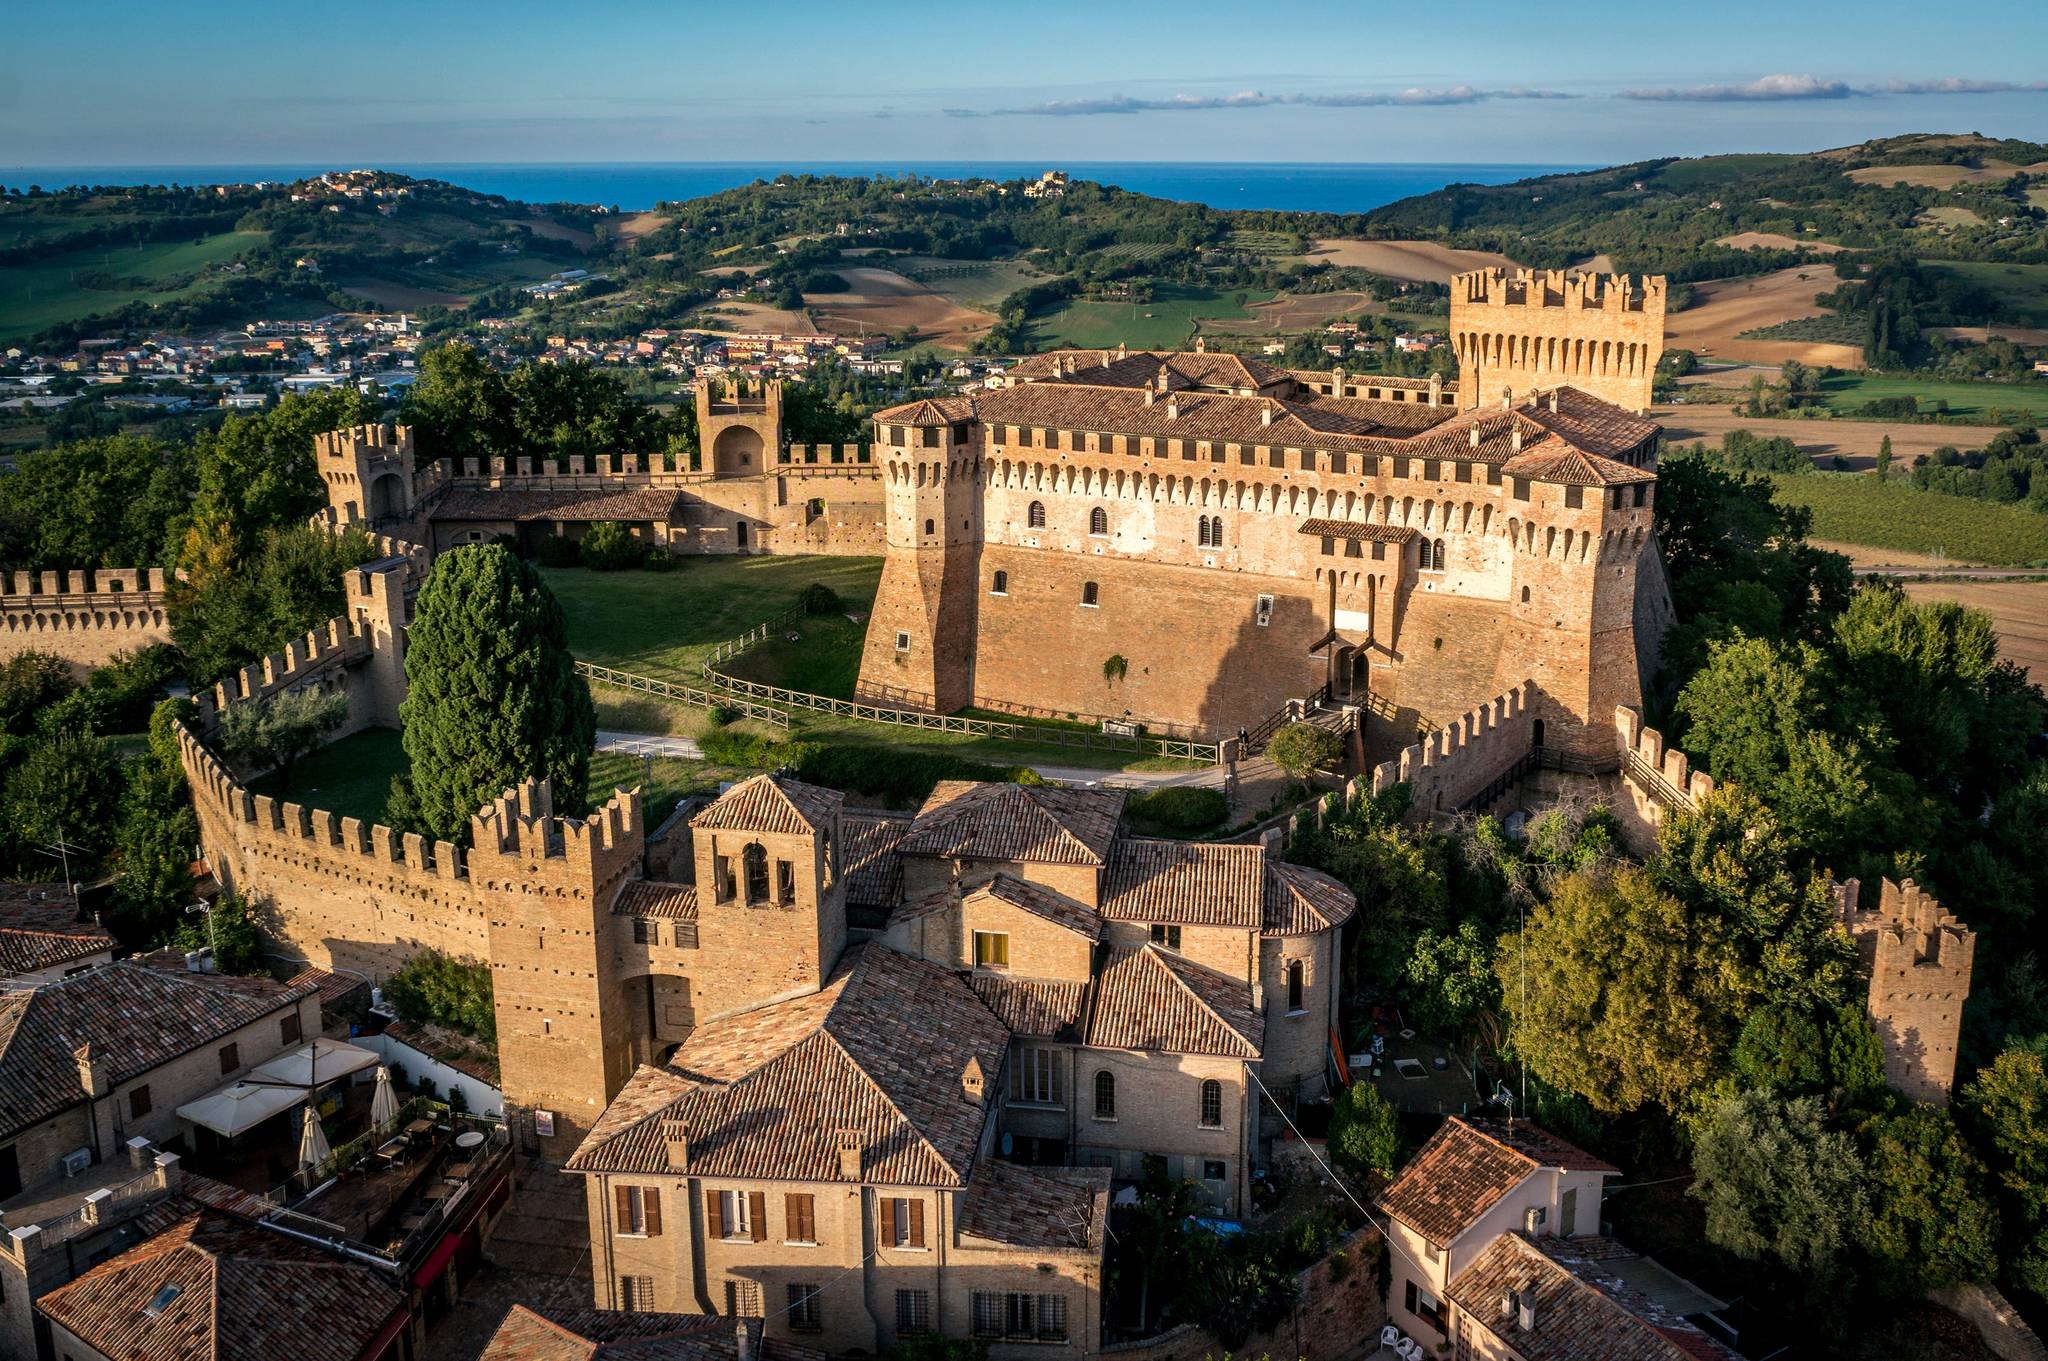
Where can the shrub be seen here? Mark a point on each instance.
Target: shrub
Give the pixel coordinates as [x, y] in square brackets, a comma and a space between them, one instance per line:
[1181, 808]
[437, 988]
[1302, 748]
[1365, 1132]
[609, 547]
[29, 683]
[818, 598]
[558, 550]
[659, 559]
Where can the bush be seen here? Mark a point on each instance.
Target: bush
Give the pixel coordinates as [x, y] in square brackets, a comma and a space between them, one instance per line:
[609, 547]
[818, 598]
[1365, 1132]
[1302, 748]
[558, 550]
[1181, 808]
[443, 990]
[29, 683]
[659, 559]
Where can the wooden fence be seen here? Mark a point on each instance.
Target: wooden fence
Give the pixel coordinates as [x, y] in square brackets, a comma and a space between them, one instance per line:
[682, 694]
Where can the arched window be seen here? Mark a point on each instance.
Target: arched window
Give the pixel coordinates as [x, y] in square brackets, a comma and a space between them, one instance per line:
[929, 527]
[1035, 517]
[1001, 585]
[1089, 595]
[1215, 531]
[1212, 1104]
[1294, 986]
[1202, 531]
[1432, 555]
[1525, 595]
[754, 863]
[1105, 1095]
[1098, 521]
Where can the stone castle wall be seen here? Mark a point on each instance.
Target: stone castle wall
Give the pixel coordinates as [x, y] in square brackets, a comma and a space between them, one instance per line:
[1515, 332]
[1918, 959]
[1461, 761]
[84, 617]
[1657, 779]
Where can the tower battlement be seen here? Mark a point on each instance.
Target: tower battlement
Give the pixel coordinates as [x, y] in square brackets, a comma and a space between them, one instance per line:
[1517, 332]
[582, 854]
[1560, 288]
[372, 442]
[1919, 959]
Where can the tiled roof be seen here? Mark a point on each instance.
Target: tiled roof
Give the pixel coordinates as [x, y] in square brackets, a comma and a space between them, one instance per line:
[456, 1050]
[929, 411]
[879, 1050]
[1028, 1207]
[135, 1017]
[1043, 903]
[612, 1335]
[334, 988]
[1194, 884]
[211, 1288]
[1037, 824]
[657, 898]
[40, 930]
[771, 803]
[1596, 426]
[1311, 419]
[1352, 529]
[1583, 1312]
[1151, 999]
[1553, 460]
[874, 873]
[596, 503]
[1041, 1008]
[1302, 901]
[1467, 1166]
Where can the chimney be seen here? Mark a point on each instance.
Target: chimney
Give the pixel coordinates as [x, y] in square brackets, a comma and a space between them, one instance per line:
[676, 1135]
[849, 1153]
[1553, 400]
[92, 1071]
[973, 1085]
[1201, 346]
[1507, 1305]
[1149, 395]
[1173, 408]
[1525, 1305]
[1265, 413]
[1475, 434]
[1515, 439]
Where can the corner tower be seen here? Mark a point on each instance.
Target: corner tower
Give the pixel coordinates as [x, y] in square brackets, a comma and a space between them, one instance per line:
[1918, 958]
[1517, 332]
[920, 645]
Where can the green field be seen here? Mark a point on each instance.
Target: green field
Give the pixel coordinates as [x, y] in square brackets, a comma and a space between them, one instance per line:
[1272, 245]
[48, 292]
[665, 623]
[1164, 323]
[2022, 289]
[1847, 394]
[350, 778]
[1858, 509]
[971, 283]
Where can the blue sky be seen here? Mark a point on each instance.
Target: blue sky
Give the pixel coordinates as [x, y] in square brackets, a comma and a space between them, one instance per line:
[119, 82]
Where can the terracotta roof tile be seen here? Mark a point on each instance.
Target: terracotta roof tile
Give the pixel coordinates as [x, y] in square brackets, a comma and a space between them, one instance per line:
[1194, 884]
[334, 988]
[1038, 824]
[771, 803]
[657, 898]
[456, 1050]
[1029, 1207]
[1302, 901]
[1591, 424]
[134, 1016]
[1041, 1008]
[1352, 529]
[869, 860]
[1582, 1311]
[40, 930]
[212, 1288]
[1040, 902]
[879, 1050]
[1554, 460]
[1467, 1166]
[527, 1334]
[929, 411]
[1151, 999]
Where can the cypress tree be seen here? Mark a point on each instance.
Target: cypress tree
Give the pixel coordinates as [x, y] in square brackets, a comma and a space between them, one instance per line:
[493, 696]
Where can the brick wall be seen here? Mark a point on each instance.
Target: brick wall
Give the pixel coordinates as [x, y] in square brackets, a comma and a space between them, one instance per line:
[83, 617]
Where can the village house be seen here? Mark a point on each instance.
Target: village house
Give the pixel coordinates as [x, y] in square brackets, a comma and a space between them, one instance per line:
[44, 938]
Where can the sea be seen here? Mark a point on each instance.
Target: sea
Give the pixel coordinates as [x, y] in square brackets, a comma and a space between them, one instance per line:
[636, 186]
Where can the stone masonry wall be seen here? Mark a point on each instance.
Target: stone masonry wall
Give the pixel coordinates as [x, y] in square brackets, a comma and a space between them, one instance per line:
[83, 617]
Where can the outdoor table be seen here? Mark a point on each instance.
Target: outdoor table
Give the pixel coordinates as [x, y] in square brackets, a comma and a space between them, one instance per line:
[420, 1126]
[469, 1138]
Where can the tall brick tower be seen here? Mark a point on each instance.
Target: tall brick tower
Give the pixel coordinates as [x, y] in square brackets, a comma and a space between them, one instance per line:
[920, 646]
[565, 1041]
[1521, 332]
[1577, 527]
[1919, 959]
[739, 428]
[369, 476]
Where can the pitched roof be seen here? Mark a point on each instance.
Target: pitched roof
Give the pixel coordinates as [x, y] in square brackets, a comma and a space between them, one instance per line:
[874, 873]
[1039, 824]
[1465, 1169]
[1041, 1008]
[1030, 1207]
[1583, 1311]
[211, 1288]
[929, 411]
[657, 898]
[1152, 999]
[1598, 427]
[1194, 884]
[879, 1050]
[334, 988]
[1352, 529]
[135, 1018]
[1552, 459]
[527, 1334]
[1301, 901]
[40, 930]
[771, 803]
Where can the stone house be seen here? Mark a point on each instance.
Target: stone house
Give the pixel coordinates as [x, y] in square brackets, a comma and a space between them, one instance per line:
[43, 938]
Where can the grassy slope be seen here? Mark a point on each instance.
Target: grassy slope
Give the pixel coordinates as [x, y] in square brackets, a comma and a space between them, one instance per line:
[1857, 509]
[45, 293]
[2022, 288]
[1164, 323]
[350, 778]
[1848, 393]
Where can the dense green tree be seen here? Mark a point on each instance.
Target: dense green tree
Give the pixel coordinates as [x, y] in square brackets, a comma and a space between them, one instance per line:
[257, 473]
[110, 502]
[493, 695]
[1452, 987]
[457, 407]
[65, 790]
[229, 930]
[1365, 1131]
[1777, 1183]
[610, 547]
[2006, 1107]
[1931, 1222]
[1617, 993]
[1402, 869]
[274, 733]
[154, 840]
[231, 609]
[30, 682]
[1301, 749]
[441, 989]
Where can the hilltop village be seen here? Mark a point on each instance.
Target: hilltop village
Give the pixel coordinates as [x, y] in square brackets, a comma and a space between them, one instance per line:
[779, 1071]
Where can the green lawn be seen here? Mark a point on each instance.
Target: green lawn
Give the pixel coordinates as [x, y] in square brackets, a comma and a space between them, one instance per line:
[2022, 288]
[349, 778]
[971, 283]
[1856, 508]
[1847, 394]
[47, 292]
[1164, 323]
[666, 623]
[824, 659]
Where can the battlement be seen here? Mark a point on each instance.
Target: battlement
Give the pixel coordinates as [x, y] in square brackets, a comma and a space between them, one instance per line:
[128, 583]
[1907, 928]
[520, 833]
[1663, 772]
[1919, 960]
[1458, 762]
[1558, 288]
[418, 559]
[319, 658]
[827, 455]
[374, 444]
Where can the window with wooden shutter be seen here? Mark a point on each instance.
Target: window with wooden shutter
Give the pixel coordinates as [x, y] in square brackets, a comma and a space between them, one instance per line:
[916, 1223]
[714, 1213]
[800, 1214]
[757, 1214]
[650, 1201]
[622, 1209]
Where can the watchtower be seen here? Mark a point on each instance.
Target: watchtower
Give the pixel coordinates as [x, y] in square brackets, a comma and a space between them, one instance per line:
[739, 429]
[1517, 333]
[920, 645]
[369, 474]
[1919, 959]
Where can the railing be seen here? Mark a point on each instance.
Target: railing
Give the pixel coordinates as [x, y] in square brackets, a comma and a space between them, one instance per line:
[1648, 778]
[751, 639]
[682, 694]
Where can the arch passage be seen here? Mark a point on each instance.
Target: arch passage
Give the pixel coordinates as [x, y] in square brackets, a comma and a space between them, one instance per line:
[736, 451]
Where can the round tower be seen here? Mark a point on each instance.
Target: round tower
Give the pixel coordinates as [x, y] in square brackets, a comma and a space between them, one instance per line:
[920, 644]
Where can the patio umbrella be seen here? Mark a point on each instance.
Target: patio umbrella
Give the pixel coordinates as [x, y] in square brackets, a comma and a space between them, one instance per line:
[384, 1105]
[313, 1149]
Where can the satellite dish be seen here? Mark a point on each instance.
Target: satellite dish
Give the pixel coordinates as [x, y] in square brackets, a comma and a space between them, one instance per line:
[1008, 1144]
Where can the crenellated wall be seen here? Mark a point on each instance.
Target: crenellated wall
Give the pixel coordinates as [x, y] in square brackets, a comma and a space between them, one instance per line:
[1918, 959]
[1462, 760]
[84, 617]
[1518, 331]
[1656, 778]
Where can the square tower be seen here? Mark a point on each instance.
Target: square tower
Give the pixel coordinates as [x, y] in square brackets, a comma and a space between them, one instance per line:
[1517, 332]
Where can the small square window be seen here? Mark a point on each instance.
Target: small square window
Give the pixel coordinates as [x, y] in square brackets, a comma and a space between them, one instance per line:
[1168, 936]
[1212, 1170]
[903, 640]
[991, 950]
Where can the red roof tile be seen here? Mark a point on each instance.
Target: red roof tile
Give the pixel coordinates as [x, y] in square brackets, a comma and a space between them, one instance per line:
[1583, 1312]
[1152, 999]
[1465, 1169]
[1038, 824]
[1194, 884]
[611, 1335]
[772, 803]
